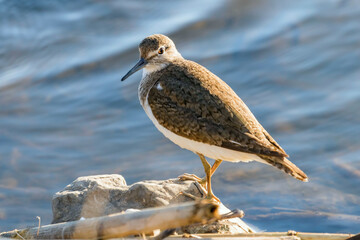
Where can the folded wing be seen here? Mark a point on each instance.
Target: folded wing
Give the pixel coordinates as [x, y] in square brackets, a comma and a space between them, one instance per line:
[200, 106]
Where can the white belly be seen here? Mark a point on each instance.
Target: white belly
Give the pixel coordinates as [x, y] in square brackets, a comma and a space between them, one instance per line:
[211, 151]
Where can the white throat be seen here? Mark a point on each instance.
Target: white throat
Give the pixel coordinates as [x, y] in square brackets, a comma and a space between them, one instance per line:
[151, 68]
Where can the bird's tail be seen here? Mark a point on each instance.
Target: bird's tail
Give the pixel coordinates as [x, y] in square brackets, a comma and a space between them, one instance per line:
[286, 166]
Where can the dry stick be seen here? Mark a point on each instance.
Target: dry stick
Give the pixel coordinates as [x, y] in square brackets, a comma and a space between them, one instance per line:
[281, 235]
[164, 234]
[121, 225]
[37, 233]
[232, 214]
[17, 234]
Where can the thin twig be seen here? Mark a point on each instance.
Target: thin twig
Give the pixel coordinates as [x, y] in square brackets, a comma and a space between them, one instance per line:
[233, 214]
[39, 218]
[16, 231]
[164, 234]
[187, 235]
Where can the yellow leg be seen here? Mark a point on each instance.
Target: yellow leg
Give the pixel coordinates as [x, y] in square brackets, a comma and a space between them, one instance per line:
[212, 170]
[208, 173]
[215, 166]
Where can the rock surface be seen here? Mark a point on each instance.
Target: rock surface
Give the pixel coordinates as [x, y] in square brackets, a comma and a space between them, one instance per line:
[99, 195]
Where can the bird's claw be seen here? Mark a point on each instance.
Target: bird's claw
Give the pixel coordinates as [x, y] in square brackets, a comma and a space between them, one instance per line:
[192, 177]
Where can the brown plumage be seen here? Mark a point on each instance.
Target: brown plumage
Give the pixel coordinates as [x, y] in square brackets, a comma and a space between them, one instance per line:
[188, 100]
[196, 104]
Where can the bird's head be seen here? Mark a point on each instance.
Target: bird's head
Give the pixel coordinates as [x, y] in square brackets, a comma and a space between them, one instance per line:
[156, 52]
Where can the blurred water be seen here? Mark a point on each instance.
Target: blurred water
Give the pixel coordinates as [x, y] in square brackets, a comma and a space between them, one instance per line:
[64, 112]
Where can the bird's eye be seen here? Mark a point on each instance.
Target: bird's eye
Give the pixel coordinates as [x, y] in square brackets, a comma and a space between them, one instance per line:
[161, 50]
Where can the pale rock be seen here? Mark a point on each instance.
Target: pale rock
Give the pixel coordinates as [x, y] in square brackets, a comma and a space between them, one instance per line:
[94, 196]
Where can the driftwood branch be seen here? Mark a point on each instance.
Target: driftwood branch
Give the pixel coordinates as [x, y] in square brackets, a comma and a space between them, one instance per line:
[124, 224]
[290, 235]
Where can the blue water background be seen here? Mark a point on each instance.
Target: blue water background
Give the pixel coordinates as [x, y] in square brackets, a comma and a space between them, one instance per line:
[64, 112]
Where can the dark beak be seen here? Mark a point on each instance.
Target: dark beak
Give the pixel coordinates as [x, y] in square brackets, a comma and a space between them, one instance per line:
[140, 64]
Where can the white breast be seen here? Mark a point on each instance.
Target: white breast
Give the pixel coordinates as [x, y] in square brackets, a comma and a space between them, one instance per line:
[207, 150]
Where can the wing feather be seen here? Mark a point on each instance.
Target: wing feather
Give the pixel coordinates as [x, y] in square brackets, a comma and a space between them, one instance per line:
[194, 103]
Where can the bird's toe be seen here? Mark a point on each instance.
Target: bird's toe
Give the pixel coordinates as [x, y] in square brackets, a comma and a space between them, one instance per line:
[192, 177]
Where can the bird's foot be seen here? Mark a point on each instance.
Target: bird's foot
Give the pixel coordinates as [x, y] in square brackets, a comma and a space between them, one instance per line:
[192, 177]
[204, 193]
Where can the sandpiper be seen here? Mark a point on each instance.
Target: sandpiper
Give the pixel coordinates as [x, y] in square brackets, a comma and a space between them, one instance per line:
[198, 111]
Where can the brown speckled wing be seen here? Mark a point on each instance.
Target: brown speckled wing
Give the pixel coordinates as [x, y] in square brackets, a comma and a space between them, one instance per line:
[190, 101]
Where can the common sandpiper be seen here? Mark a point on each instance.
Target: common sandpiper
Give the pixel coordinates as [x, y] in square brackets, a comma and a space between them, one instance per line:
[198, 111]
